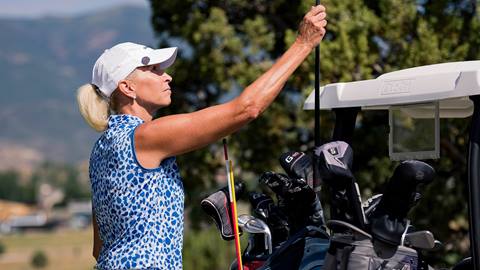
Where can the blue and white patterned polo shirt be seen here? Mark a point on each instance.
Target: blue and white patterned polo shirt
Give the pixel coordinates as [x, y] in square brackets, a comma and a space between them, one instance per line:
[139, 211]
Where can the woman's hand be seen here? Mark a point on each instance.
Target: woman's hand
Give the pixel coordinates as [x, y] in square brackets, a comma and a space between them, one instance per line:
[312, 28]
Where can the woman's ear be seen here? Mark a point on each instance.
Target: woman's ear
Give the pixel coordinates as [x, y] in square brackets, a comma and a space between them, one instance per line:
[127, 87]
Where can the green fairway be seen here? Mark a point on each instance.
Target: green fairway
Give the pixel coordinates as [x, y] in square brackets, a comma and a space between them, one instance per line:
[64, 250]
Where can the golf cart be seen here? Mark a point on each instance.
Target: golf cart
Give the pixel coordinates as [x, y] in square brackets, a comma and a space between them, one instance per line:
[416, 99]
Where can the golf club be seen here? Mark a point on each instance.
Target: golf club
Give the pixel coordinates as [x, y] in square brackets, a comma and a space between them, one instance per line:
[257, 226]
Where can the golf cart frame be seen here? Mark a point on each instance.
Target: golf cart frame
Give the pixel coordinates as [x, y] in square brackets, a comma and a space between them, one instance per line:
[449, 90]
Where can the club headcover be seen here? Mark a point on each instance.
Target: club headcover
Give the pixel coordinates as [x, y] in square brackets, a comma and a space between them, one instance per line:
[298, 165]
[277, 182]
[261, 204]
[296, 198]
[217, 206]
[401, 190]
[334, 162]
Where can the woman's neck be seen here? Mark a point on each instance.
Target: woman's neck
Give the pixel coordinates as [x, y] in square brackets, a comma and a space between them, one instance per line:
[137, 110]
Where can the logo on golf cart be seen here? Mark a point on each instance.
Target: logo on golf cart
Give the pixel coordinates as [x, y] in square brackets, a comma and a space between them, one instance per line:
[396, 87]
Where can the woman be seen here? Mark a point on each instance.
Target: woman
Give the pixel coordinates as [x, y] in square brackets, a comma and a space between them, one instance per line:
[137, 191]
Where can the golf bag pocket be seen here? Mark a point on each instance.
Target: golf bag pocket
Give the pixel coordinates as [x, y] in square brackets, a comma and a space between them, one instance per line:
[347, 253]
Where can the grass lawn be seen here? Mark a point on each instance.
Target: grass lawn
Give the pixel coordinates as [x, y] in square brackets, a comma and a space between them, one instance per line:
[64, 249]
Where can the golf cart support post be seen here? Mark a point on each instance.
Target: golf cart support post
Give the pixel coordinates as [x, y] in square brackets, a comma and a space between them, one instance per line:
[454, 86]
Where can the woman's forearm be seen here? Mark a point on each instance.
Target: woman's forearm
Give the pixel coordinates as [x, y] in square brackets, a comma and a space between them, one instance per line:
[257, 96]
[264, 90]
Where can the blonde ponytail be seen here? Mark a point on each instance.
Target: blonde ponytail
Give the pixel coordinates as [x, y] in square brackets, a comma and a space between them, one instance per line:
[93, 107]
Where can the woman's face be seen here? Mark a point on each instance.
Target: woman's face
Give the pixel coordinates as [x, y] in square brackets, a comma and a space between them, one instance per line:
[152, 87]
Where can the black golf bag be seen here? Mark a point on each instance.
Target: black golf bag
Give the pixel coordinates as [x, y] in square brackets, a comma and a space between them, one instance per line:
[371, 236]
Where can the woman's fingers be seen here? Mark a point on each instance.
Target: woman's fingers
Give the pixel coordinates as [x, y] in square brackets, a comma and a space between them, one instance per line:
[321, 24]
[319, 17]
[316, 14]
[312, 28]
[316, 9]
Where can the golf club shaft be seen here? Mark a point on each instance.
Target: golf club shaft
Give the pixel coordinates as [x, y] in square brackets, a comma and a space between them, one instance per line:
[316, 178]
[233, 205]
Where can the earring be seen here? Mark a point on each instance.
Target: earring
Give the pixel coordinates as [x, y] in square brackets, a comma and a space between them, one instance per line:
[134, 97]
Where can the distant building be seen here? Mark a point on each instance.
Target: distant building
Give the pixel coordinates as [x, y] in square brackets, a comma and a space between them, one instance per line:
[80, 214]
[9, 209]
[15, 216]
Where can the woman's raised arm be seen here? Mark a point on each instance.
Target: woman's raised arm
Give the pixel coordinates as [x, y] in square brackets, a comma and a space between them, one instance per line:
[180, 133]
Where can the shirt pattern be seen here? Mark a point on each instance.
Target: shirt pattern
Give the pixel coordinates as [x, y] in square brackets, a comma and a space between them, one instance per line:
[139, 211]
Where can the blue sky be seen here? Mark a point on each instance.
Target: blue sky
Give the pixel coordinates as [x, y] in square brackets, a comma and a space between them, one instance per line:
[40, 8]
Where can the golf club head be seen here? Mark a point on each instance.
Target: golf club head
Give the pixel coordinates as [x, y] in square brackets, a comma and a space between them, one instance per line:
[258, 226]
[420, 240]
[298, 165]
[243, 219]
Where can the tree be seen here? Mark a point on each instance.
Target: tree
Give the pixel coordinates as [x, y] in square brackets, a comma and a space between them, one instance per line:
[39, 259]
[74, 190]
[2, 248]
[14, 188]
[225, 45]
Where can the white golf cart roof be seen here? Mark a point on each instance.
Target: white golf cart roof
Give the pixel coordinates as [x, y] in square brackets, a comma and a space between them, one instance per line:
[449, 83]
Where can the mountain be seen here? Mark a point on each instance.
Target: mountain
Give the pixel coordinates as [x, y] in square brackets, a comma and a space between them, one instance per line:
[42, 63]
